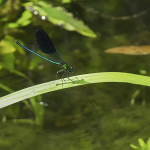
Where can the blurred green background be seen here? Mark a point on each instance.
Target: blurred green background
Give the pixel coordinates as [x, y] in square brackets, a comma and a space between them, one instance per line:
[89, 117]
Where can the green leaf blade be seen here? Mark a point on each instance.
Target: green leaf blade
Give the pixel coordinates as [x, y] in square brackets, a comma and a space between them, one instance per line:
[57, 15]
[82, 79]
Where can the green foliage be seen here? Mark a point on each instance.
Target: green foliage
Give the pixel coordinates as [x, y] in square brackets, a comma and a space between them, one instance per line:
[24, 20]
[7, 45]
[9, 60]
[66, 1]
[15, 71]
[58, 16]
[143, 145]
[1, 1]
[4, 87]
[34, 63]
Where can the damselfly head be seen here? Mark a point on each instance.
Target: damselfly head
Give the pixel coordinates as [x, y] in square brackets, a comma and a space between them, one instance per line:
[71, 69]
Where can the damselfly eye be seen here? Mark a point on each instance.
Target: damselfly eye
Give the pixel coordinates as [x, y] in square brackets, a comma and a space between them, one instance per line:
[71, 69]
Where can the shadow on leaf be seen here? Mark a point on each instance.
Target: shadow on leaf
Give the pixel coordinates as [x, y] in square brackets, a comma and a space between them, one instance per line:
[78, 81]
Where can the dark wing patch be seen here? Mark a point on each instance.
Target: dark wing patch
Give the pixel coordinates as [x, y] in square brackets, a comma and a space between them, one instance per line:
[44, 42]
